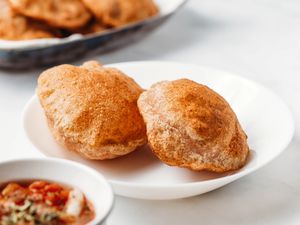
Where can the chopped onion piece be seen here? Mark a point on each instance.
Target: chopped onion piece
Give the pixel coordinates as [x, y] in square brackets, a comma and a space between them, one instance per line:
[75, 202]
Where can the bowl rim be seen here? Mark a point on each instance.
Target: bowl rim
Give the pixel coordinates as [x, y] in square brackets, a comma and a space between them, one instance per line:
[95, 174]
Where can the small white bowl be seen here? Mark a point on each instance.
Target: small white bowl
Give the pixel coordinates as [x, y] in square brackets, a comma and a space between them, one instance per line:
[91, 183]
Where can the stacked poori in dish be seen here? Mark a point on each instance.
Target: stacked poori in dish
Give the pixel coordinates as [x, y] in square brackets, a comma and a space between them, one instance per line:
[101, 113]
[14, 26]
[33, 19]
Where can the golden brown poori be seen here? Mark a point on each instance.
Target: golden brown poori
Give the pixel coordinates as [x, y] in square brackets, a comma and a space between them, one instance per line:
[92, 27]
[14, 26]
[92, 109]
[121, 12]
[191, 126]
[62, 14]
[101, 113]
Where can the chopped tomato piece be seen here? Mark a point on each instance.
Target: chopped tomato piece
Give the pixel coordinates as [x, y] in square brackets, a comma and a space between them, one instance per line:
[53, 188]
[64, 195]
[37, 185]
[10, 189]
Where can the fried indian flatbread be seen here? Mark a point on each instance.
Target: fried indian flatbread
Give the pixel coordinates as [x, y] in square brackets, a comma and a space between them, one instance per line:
[191, 126]
[92, 27]
[92, 110]
[62, 14]
[120, 12]
[14, 26]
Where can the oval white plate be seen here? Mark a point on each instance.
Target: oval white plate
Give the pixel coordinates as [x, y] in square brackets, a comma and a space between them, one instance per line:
[265, 118]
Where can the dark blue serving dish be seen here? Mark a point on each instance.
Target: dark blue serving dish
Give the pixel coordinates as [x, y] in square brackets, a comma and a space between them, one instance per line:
[45, 52]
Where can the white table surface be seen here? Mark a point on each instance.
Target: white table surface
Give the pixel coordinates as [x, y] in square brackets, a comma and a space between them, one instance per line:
[256, 39]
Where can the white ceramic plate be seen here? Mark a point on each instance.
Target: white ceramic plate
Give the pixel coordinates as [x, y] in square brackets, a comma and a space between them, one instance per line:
[265, 118]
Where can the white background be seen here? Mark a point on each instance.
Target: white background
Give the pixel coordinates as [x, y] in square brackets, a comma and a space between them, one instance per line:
[257, 39]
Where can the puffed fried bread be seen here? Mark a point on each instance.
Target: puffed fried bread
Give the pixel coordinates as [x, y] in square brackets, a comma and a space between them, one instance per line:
[67, 14]
[14, 26]
[189, 125]
[92, 109]
[121, 12]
